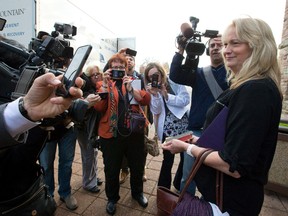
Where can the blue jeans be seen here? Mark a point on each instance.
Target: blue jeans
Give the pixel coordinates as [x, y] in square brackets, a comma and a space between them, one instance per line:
[66, 152]
[187, 166]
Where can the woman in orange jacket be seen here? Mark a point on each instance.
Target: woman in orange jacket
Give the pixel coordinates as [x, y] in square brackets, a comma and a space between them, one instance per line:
[116, 137]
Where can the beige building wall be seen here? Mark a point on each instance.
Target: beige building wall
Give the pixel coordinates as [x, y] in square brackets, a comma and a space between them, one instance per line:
[283, 59]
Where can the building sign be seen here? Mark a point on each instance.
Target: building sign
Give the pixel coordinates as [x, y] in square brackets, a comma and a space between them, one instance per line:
[127, 43]
[21, 21]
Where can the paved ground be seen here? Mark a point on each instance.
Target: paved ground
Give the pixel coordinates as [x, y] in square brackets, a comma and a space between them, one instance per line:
[94, 204]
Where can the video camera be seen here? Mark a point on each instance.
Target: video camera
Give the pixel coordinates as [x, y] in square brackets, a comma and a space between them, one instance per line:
[19, 67]
[190, 40]
[54, 49]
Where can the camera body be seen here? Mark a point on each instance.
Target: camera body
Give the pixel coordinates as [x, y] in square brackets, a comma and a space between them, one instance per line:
[103, 95]
[154, 81]
[117, 74]
[131, 52]
[52, 48]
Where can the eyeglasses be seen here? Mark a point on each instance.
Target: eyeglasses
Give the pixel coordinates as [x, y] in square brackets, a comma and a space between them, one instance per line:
[118, 68]
[96, 75]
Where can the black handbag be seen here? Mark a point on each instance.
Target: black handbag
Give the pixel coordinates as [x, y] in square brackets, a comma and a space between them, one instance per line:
[35, 201]
[137, 122]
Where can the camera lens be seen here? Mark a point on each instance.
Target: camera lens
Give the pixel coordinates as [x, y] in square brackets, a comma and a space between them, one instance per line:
[154, 82]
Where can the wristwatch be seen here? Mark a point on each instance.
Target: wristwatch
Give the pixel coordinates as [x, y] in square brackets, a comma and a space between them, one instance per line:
[22, 109]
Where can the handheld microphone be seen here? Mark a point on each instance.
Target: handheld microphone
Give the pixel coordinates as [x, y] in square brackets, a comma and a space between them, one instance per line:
[187, 30]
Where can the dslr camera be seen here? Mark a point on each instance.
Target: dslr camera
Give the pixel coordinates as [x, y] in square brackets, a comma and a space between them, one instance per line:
[154, 81]
[117, 74]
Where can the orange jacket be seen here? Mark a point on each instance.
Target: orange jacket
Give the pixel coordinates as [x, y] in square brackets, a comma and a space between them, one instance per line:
[104, 107]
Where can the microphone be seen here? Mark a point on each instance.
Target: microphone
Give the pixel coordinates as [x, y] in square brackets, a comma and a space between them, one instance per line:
[187, 30]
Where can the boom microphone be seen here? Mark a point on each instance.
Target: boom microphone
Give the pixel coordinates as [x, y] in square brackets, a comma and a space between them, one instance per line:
[187, 30]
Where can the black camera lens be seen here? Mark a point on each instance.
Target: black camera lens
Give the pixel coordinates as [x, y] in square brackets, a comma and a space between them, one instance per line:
[117, 74]
[154, 81]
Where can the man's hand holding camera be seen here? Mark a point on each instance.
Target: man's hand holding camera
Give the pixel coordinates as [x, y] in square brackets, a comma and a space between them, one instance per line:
[41, 100]
[181, 43]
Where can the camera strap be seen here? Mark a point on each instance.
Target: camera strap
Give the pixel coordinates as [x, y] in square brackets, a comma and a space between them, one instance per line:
[25, 81]
[213, 85]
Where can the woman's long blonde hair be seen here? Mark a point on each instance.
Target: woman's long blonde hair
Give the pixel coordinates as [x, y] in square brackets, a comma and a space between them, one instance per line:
[262, 62]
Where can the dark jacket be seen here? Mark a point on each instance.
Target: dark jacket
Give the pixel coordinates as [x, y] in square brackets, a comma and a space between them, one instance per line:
[202, 97]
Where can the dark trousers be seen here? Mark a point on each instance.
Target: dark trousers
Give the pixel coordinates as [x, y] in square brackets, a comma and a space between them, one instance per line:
[165, 177]
[124, 165]
[132, 147]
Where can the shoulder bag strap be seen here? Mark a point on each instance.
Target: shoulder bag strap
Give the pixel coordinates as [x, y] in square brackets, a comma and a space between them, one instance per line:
[219, 178]
[219, 189]
[215, 89]
[198, 162]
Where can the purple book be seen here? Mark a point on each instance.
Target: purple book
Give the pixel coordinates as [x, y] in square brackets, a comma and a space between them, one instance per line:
[214, 135]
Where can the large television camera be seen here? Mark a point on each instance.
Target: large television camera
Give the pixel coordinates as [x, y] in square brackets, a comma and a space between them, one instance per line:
[19, 67]
[191, 41]
[54, 49]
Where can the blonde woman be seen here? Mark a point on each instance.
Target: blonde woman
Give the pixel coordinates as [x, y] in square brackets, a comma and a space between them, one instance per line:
[254, 101]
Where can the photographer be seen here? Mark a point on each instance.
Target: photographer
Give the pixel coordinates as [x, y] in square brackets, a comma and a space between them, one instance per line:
[56, 54]
[19, 153]
[87, 134]
[62, 135]
[23, 138]
[115, 130]
[202, 93]
[130, 56]
[169, 104]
